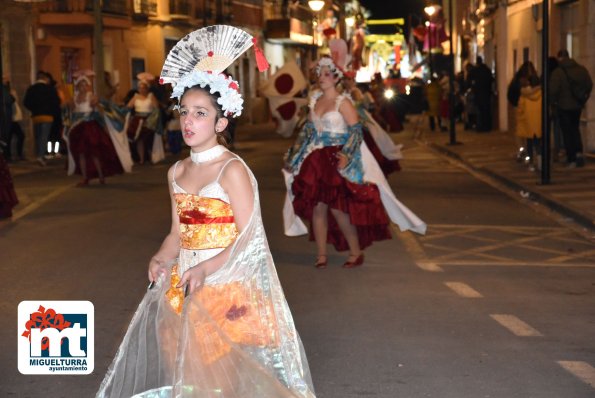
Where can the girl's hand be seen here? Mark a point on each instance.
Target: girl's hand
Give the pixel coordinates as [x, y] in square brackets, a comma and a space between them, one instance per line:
[194, 278]
[157, 268]
[342, 160]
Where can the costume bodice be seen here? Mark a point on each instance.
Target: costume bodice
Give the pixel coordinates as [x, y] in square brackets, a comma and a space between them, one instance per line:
[331, 121]
[83, 106]
[143, 105]
[207, 223]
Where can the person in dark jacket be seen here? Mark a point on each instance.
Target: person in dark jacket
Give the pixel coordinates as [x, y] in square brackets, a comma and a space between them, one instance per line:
[569, 108]
[8, 100]
[42, 100]
[481, 80]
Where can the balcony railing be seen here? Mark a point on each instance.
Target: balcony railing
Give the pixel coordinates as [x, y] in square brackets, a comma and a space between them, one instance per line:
[117, 7]
[179, 7]
[144, 7]
[258, 3]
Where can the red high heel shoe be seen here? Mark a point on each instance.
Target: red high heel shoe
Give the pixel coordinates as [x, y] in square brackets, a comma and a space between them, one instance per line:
[83, 183]
[321, 264]
[355, 263]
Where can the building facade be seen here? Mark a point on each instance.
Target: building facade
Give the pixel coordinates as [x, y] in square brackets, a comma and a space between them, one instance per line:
[57, 36]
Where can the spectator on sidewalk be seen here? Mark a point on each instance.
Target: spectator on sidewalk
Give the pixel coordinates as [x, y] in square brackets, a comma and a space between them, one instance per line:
[8, 100]
[470, 109]
[525, 76]
[565, 83]
[13, 128]
[481, 80]
[528, 112]
[558, 142]
[41, 100]
[433, 92]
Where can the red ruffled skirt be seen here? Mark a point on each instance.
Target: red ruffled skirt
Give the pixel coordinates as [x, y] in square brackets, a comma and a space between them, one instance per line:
[91, 140]
[320, 181]
[8, 197]
[387, 165]
[145, 134]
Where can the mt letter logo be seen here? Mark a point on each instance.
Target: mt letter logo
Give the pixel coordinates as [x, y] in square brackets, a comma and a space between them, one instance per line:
[56, 337]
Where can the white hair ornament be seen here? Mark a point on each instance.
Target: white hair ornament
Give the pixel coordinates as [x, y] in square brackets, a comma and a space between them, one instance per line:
[80, 79]
[328, 62]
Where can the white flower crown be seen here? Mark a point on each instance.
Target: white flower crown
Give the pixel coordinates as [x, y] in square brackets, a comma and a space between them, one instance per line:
[327, 61]
[230, 99]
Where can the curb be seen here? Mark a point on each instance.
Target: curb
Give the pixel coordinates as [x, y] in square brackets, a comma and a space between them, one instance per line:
[576, 216]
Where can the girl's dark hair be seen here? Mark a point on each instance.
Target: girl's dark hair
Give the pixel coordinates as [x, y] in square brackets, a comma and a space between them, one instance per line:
[224, 136]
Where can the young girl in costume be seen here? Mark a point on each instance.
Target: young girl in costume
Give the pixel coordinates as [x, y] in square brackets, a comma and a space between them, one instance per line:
[215, 322]
[334, 182]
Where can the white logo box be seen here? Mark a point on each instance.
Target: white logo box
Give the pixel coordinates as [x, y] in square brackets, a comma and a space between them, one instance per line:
[78, 359]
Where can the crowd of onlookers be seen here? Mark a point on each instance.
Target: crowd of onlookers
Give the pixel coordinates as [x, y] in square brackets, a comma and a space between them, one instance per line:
[570, 85]
[569, 88]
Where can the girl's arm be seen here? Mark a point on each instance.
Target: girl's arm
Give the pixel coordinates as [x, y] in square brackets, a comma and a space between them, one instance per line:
[236, 182]
[350, 158]
[170, 247]
[130, 103]
[94, 100]
[154, 101]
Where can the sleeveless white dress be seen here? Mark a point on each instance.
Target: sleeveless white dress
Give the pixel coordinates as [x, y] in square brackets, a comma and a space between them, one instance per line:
[233, 338]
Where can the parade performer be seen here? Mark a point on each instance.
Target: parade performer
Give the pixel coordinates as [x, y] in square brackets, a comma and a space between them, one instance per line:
[334, 182]
[91, 151]
[386, 153]
[214, 322]
[143, 125]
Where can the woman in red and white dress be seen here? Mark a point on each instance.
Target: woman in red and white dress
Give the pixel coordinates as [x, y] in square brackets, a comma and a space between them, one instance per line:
[140, 127]
[91, 151]
[334, 182]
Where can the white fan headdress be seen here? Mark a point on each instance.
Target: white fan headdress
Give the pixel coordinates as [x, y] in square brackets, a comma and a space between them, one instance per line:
[328, 62]
[200, 59]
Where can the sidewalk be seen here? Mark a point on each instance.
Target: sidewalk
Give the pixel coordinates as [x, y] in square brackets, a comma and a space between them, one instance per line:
[571, 192]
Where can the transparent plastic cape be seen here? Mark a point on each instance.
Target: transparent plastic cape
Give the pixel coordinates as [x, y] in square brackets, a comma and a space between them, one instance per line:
[233, 338]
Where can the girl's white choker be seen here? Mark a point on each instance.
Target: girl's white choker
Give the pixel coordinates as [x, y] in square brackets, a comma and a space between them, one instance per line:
[209, 154]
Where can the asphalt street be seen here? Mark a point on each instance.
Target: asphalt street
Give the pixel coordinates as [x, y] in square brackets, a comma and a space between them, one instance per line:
[497, 300]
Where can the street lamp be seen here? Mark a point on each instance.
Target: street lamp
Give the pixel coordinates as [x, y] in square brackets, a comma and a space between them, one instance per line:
[316, 6]
[430, 11]
[451, 78]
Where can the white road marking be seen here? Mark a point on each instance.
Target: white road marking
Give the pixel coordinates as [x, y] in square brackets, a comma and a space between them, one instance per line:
[35, 205]
[428, 266]
[416, 250]
[582, 370]
[515, 325]
[514, 263]
[463, 290]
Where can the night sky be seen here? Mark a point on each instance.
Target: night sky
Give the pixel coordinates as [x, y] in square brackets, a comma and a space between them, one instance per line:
[385, 9]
